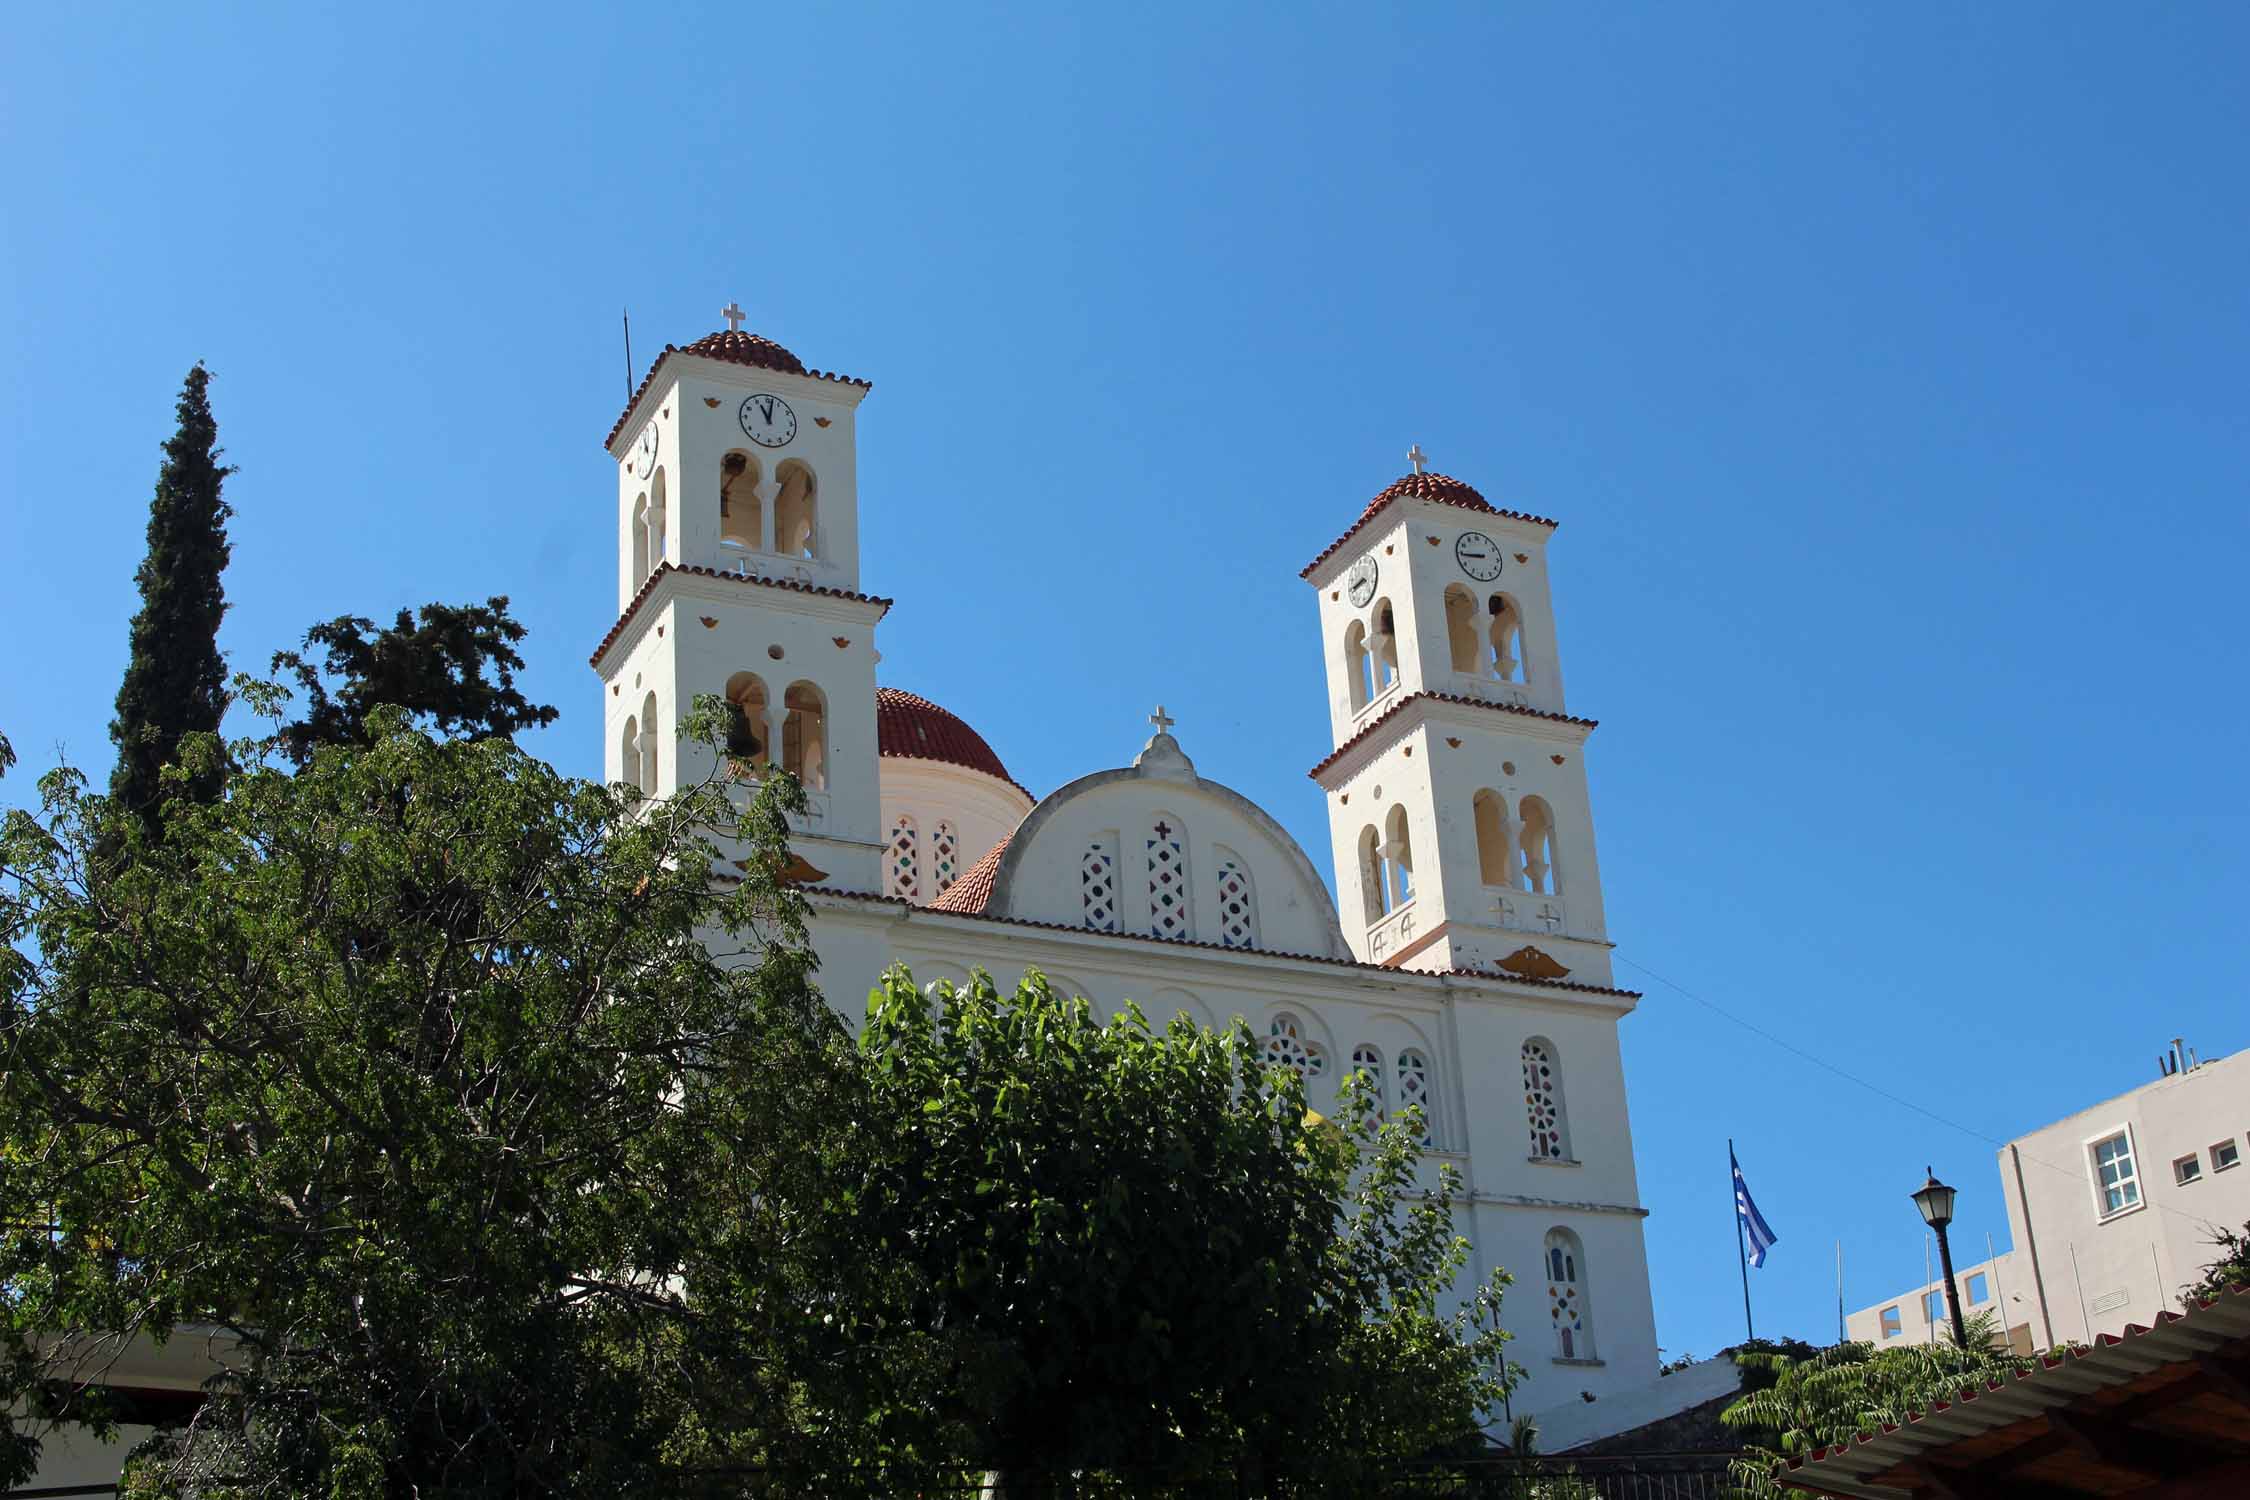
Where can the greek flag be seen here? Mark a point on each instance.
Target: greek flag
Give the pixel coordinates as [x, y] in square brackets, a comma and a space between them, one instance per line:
[1762, 1238]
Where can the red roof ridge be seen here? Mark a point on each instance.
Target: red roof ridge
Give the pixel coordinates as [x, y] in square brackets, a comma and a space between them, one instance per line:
[633, 605]
[734, 346]
[1400, 707]
[1442, 488]
[969, 894]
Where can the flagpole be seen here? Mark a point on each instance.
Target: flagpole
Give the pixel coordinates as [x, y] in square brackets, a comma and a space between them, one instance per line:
[1741, 1248]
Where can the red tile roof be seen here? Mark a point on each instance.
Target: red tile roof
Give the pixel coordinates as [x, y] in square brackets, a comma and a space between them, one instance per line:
[1400, 707]
[911, 726]
[661, 569]
[736, 348]
[969, 894]
[1443, 488]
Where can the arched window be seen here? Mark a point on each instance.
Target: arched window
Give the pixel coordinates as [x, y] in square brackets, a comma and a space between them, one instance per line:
[1238, 903]
[656, 522]
[1357, 672]
[750, 730]
[945, 859]
[649, 733]
[1495, 842]
[1537, 838]
[1567, 1299]
[1375, 896]
[640, 541]
[1288, 1047]
[902, 864]
[1398, 855]
[796, 511]
[1385, 646]
[1505, 635]
[740, 510]
[629, 751]
[1414, 1091]
[804, 736]
[1171, 906]
[1369, 1060]
[1543, 1101]
[1097, 884]
[1461, 629]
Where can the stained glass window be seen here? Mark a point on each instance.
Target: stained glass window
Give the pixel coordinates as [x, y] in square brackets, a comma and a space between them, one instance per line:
[1287, 1047]
[945, 858]
[1566, 1295]
[1238, 909]
[902, 868]
[1542, 1101]
[1097, 885]
[1170, 907]
[1414, 1088]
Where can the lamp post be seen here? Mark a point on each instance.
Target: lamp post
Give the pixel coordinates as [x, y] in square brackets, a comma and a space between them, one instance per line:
[1935, 1200]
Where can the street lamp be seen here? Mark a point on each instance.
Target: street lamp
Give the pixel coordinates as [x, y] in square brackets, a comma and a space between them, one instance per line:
[1935, 1200]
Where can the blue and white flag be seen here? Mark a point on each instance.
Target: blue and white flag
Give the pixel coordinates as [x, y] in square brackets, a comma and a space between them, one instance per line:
[1754, 1225]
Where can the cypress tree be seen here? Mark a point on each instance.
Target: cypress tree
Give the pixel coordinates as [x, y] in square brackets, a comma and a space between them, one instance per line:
[175, 683]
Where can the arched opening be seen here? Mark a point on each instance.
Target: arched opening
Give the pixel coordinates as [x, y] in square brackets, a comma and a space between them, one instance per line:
[629, 751]
[740, 510]
[804, 736]
[1567, 1299]
[796, 530]
[1495, 846]
[1360, 683]
[945, 858]
[1461, 629]
[1385, 646]
[1414, 1091]
[1398, 854]
[1097, 883]
[1505, 635]
[656, 522]
[1238, 902]
[750, 725]
[1543, 1101]
[1537, 836]
[1171, 907]
[1374, 895]
[903, 864]
[649, 736]
[1367, 1061]
[640, 540]
[1287, 1046]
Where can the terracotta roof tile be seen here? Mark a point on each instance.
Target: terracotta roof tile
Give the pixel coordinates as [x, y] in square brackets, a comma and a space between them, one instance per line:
[736, 348]
[1400, 707]
[1443, 488]
[661, 569]
[969, 894]
[912, 727]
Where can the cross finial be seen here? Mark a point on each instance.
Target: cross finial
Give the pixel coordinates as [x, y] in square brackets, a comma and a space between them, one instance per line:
[733, 313]
[1416, 457]
[1161, 719]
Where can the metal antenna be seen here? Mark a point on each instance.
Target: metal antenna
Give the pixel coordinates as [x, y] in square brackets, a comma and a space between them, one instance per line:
[628, 315]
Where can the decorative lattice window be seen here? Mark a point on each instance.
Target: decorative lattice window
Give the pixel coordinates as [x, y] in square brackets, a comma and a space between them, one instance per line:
[1171, 911]
[945, 858]
[1542, 1101]
[1097, 885]
[1566, 1296]
[1414, 1088]
[1238, 908]
[1369, 1060]
[1287, 1047]
[902, 865]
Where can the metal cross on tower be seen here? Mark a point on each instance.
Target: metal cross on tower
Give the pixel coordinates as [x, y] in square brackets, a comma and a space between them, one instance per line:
[733, 313]
[1162, 720]
[1417, 457]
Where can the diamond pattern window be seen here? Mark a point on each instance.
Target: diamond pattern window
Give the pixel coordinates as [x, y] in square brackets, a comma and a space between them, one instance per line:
[1097, 885]
[1414, 1089]
[945, 858]
[902, 863]
[1171, 910]
[1566, 1295]
[1238, 907]
[1369, 1060]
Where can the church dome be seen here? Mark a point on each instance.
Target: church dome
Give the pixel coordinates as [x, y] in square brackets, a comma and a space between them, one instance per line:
[738, 347]
[911, 726]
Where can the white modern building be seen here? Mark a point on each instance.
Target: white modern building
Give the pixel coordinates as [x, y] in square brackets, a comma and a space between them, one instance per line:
[1468, 970]
[2111, 1211]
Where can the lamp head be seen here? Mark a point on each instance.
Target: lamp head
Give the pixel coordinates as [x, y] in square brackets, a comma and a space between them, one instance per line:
[1935, 1200]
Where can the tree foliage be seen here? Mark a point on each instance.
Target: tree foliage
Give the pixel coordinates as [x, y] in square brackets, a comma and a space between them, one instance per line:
[451, 667]
[2230, 1269]
[175, 680]
[1851, 1388]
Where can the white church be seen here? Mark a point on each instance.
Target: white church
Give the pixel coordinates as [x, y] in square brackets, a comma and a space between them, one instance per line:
[1468, 967]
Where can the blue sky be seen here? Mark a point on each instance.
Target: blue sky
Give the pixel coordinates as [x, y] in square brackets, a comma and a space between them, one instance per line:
[1885, 367]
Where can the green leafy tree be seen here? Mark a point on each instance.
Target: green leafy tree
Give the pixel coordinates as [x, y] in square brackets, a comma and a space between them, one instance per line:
[2231, 1269]
[1851, 1388]
[452, 667]
[423, 1082]
[1108, 1251]
[175, 681]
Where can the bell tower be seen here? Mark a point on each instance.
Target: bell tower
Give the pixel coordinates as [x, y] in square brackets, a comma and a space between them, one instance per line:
[738, 574]
[1457, 798]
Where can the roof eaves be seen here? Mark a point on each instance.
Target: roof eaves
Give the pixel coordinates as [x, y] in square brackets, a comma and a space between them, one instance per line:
[641, 597]
[1410, 699]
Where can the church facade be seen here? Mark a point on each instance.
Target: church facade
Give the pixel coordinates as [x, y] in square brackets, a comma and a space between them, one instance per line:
[1464, 962]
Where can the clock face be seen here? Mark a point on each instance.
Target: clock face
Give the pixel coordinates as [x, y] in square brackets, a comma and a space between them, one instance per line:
[644, 456]
[768, 421]
[1360, 582]
[1478, 555]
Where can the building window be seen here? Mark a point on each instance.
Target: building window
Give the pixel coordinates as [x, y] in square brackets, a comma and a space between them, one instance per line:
[1238, 908]
[1398, 856]
[2187, 1169]
[1933, 1309]
[1357, 674]
[1980, 1291]
[1097, 884]
[1414, 1091]
[2116, 1181]
[2225, 1154]
[1286, 1047]
[804, 736]
[905, 863]
[1384, 648]
[1375, 898]
[1543, 1101]
[945, 858]
[1566, 1295]
[1369, 1061]
[1536, 836]
[1170, 908]
[1891, 1325]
